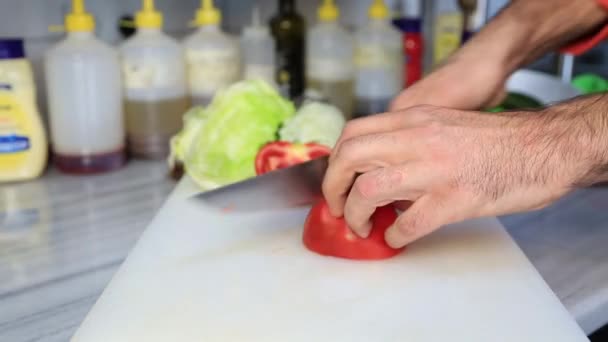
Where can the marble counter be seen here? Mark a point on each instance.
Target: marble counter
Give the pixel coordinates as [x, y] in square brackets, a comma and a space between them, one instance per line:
[66, 236]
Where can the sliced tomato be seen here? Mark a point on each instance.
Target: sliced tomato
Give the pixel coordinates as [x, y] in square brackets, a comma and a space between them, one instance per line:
[331, 236]
[281, 154]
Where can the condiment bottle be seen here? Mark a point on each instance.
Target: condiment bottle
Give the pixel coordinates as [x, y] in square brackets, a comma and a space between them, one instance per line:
[379, 61]
[330, 61]
[85, 99]
[213, 57]
[410, 24]
[156, 91]
[258, 51]
[23, 146]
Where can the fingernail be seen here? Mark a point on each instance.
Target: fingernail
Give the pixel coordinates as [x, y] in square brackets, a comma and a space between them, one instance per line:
[365, 231]
[394, 238]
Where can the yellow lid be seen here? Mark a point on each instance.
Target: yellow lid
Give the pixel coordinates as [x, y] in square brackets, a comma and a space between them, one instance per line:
[207, 14]
[378, 10]
[329, 11]
[148, 17]
[79, 20]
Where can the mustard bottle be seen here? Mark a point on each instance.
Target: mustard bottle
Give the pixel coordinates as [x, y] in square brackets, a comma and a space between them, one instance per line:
[23, 145]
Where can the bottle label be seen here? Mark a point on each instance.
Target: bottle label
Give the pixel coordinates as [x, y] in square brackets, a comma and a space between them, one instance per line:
[149, 74]
[212, 70]
[12, 131]
[14, 143]
[374, 56]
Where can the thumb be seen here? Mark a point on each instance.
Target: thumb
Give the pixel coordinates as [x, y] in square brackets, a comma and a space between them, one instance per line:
[424, 217]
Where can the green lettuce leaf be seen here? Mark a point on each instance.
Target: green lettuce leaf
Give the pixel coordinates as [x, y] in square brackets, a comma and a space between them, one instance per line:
[315, 122]
[219, 146]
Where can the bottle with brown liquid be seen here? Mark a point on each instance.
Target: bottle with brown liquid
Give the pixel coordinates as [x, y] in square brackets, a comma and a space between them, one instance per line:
[155, 86]
[289, 31]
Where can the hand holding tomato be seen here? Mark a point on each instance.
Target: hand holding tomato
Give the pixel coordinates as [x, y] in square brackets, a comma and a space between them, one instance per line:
[331, 236]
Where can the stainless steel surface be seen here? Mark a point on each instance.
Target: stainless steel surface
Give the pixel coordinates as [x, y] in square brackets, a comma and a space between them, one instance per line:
[296, 186]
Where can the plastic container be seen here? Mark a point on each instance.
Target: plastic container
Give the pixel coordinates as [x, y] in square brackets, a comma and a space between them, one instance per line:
[213, 57]
[85, 99]
[23, 146]
[258, 49]
[156, 92]
[330, 60]
[379, 61]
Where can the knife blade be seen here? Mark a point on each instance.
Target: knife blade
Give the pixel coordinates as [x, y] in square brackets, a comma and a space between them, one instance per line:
[292, 187]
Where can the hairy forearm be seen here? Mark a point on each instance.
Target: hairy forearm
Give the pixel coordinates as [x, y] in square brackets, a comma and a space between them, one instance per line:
[527, 29]
[578, 130]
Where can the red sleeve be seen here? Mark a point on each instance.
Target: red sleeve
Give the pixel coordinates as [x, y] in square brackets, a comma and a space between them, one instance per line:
[587, 43]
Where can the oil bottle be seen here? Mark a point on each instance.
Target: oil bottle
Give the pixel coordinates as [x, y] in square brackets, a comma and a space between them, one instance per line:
[289, 31]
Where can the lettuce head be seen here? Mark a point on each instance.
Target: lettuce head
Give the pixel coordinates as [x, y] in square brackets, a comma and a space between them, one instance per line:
[218, 144]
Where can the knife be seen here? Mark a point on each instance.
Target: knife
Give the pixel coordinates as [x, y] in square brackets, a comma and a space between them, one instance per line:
[292, 187]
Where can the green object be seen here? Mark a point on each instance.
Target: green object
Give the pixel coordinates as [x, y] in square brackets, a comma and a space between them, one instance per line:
[590, 84]
[219, 144]
[315, 122]
[193, 120]
[516, 101]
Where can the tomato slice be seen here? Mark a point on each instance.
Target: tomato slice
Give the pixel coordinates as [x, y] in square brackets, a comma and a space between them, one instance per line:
[281, 154]
[331, 236]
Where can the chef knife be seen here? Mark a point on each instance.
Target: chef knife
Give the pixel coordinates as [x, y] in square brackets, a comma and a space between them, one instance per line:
[292, 187]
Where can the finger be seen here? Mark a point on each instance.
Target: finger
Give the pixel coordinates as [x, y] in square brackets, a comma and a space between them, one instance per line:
[379, 123]
[359, 155]
[379, 188]
[424, 217]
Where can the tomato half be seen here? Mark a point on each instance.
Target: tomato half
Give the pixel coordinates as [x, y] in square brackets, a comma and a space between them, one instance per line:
[281, 154]
[331, 236]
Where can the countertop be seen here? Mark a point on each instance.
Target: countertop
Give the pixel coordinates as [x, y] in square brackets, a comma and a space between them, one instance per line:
[72, 233]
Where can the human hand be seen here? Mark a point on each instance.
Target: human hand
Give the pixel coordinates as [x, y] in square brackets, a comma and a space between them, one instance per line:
[463, 82]
[449, 165]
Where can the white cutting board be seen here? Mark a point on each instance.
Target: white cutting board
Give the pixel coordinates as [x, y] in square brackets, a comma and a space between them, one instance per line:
[201, 275]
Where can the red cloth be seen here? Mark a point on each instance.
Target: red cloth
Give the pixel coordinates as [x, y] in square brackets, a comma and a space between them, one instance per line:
[587, 43]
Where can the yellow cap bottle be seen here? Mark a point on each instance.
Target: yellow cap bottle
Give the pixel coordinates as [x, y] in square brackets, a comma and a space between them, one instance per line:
[79, 20]
[208, 14]
[378, 10]
[328, 11]
[148, 17]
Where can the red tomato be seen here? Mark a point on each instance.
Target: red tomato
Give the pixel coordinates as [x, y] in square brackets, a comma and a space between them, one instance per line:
[281, 154]
[328, 235]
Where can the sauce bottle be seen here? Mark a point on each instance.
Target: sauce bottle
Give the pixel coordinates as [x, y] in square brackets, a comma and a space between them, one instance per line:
[379, 61]
[258, 51]
[289, 30]
[444, 22]
[155, 86]
[23, 147]
[85, 99]
[410, 24]
[330, 60]
[213, 57]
